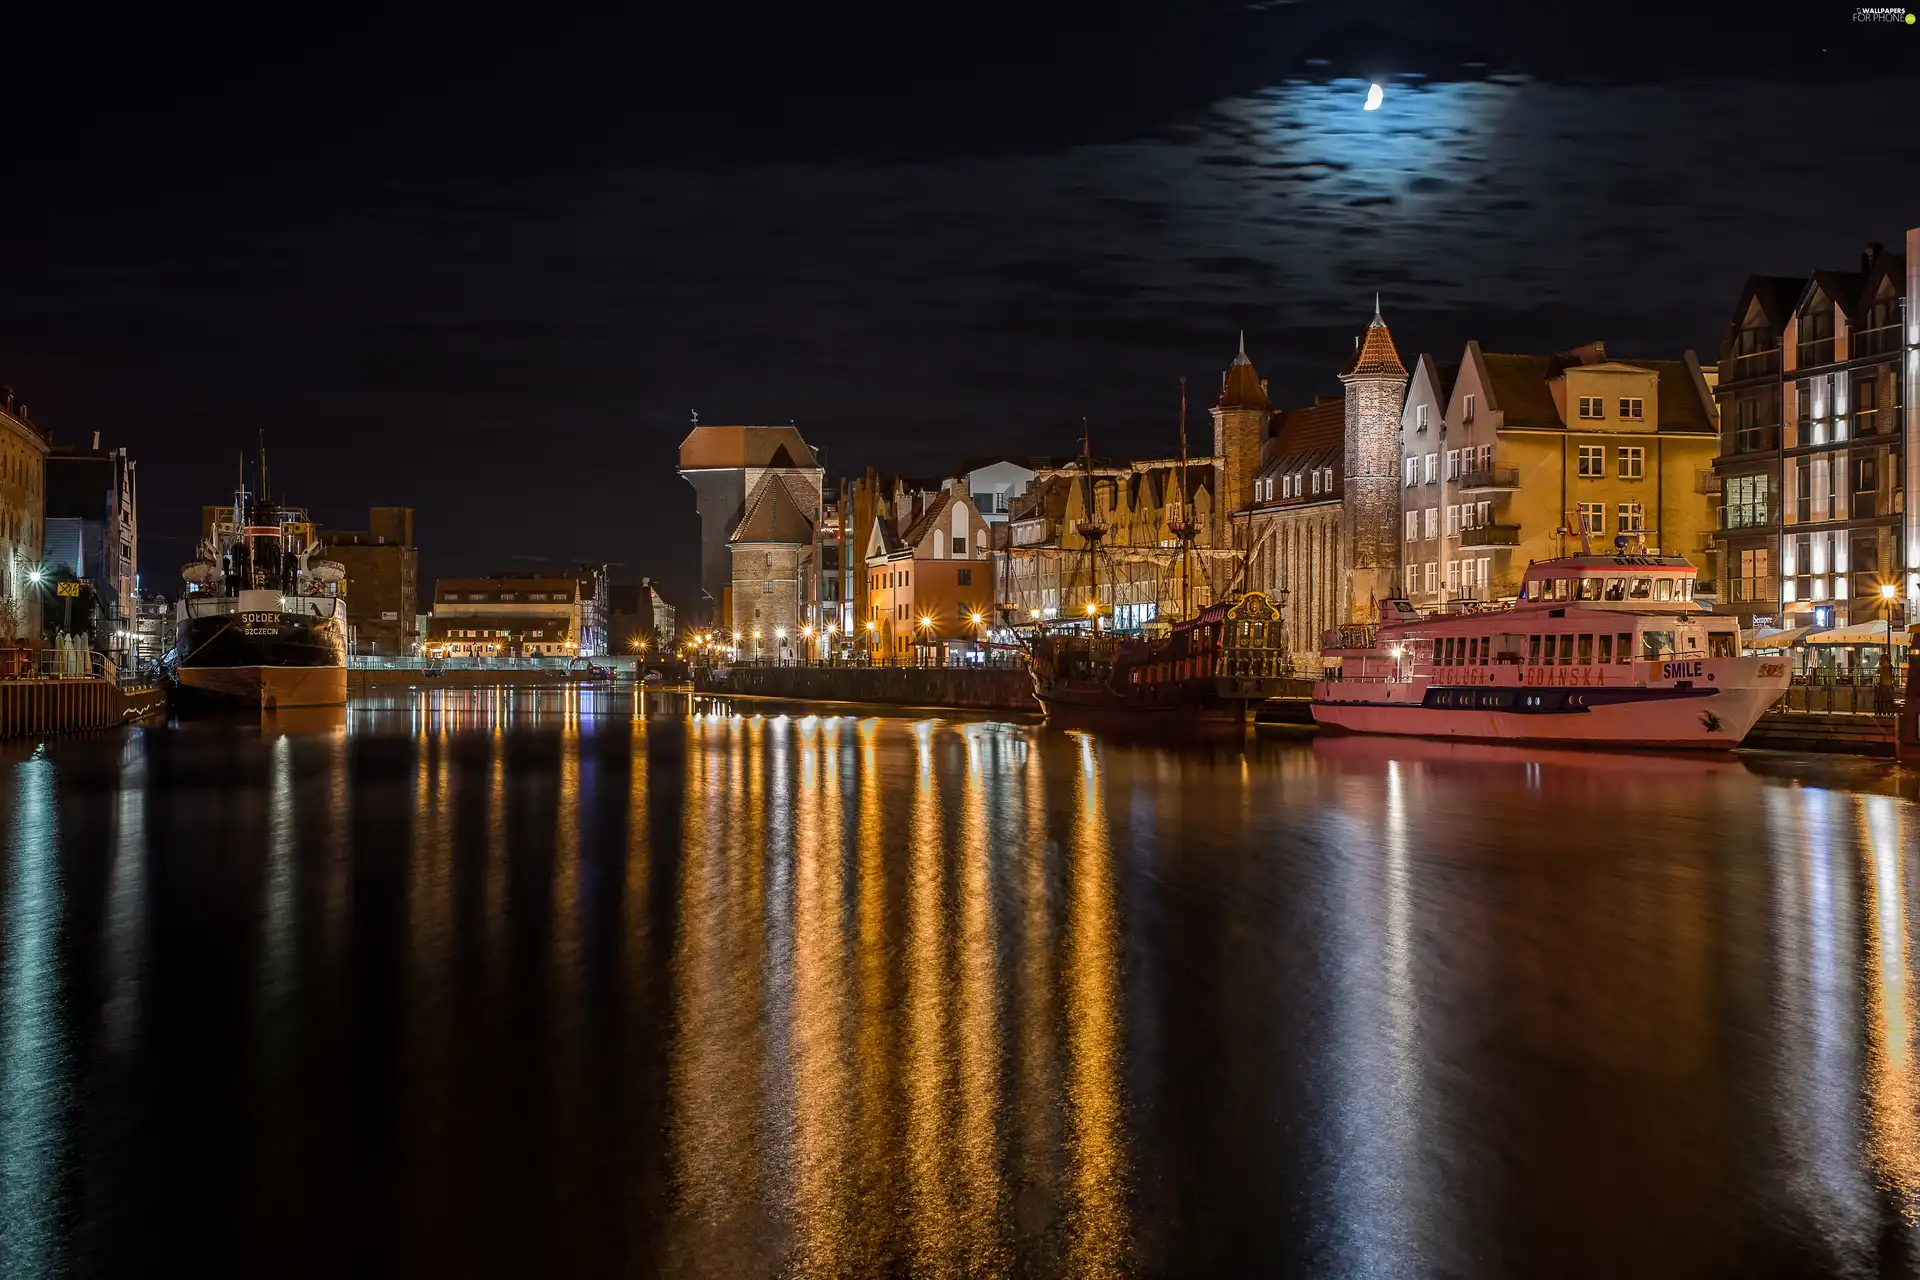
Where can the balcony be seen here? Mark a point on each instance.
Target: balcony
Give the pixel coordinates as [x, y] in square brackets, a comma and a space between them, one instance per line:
[1880, 341]
[1491, 535]
[1490, 480]
[1706, 482]
[1812, 354]
[1755, 364]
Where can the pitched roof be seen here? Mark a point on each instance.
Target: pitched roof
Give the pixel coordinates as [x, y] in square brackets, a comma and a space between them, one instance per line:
[773, 516]
[1841, 287]
[1311, 437]
[1376, 357]
[1240, 386]
[1681, 408]
[1777, 295]
[707, 448]
[935, 510]
[1517, 387]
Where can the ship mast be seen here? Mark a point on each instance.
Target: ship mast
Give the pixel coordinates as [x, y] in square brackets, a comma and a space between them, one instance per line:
[1184, 528]
[1091, 529]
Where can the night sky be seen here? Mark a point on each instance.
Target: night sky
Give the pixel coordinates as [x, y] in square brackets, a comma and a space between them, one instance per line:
[489, 271]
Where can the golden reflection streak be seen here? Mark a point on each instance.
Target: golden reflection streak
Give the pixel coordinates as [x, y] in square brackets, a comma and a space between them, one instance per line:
[873, 1176]
[1097, 1221]
[823, 1089]
[982, 1196]
[929, 1066]
[494, 891]
[715, 1083]
[425, 1043]
[1040, 1139]
[1890, 1049]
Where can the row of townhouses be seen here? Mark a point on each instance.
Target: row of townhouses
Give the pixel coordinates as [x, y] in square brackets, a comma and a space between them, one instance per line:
[1780, 469]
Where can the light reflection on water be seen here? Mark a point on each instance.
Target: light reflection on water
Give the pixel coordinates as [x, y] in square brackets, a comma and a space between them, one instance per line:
[816, 994]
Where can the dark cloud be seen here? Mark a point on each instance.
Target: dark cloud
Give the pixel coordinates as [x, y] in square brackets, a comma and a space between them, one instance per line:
[495, 288]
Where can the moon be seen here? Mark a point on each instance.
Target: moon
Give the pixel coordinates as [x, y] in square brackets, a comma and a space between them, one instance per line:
[1374, 94]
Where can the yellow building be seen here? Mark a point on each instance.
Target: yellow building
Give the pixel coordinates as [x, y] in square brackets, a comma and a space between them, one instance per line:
[1502, 454]
[23, 522]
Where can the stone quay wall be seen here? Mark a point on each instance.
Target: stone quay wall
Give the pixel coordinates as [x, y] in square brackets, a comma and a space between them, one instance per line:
[962, 688]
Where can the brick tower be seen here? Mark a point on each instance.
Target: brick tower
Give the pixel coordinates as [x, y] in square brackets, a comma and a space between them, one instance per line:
[1240, 418]
[1376, 384]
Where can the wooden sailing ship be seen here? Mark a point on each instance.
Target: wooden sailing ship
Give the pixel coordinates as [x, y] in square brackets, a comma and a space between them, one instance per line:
[1213, 666]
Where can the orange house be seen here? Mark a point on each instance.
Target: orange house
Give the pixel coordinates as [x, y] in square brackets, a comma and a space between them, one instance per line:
[929, 582]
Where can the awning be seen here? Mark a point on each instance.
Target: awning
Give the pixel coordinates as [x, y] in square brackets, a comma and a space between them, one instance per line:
[1858, 633]
[1785, 639]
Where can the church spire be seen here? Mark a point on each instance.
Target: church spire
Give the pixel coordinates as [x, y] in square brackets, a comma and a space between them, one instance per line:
[1240, 386]
[1376, 356]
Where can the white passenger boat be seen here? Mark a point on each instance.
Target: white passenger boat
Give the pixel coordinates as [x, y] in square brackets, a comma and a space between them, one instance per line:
[1607, 650]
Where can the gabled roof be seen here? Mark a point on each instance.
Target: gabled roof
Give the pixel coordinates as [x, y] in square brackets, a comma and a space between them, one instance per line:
[708, 448]
[1376, 356]
[1240, 387]
[773, 516]
[1517, 386]
[1777, 296]
[1841, 287]
[1315, 436]
[1684, 399]
[917, 531]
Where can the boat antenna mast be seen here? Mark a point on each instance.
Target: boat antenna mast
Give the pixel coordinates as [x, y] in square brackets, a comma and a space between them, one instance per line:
[1091, 528]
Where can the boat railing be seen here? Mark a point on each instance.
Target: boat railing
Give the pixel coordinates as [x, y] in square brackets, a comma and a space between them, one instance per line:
[212, 606]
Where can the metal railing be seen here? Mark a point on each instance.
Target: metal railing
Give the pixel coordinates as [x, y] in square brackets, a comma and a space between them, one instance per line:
[1878, 341]
[1486, 478]
[1840, 699]
[1491, 535]
[57, 664]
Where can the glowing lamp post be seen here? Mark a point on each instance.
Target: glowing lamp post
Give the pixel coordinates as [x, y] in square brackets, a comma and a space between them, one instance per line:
[1889, 593]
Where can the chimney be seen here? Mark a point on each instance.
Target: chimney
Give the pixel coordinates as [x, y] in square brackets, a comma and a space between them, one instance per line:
[96, 442]
[1870, 255]
[1593, 352]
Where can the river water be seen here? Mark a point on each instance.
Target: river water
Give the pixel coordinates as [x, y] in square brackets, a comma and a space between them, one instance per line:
[555, 983]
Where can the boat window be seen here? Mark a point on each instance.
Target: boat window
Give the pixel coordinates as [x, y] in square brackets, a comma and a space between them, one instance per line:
[1616, 588]
[1656, 645]
[1566, 651]
[1606, 649]
[1486, 649]
[1640, 589]
[1589, 588]
[1623, 647]
[1533, 651]
[1720, 644]
[1563, 588]
[1585, 656]
[1663, 589]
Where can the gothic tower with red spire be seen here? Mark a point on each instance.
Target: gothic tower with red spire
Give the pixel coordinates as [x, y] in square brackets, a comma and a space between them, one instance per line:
[1376, 384]
[1240, 418]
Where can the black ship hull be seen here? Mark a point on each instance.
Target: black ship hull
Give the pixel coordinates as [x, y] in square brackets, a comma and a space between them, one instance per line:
[1206, 702]
[260, 659]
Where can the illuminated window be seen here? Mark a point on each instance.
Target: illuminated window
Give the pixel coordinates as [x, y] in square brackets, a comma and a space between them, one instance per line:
[1632, 407]
[1633, 462]
[1420, 417]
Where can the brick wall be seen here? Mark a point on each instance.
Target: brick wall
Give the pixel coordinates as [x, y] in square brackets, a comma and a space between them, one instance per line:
[1370, 509]
[766, 594]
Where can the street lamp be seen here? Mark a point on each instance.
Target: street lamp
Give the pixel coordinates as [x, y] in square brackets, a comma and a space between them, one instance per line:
[1889, 593]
